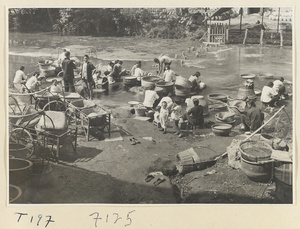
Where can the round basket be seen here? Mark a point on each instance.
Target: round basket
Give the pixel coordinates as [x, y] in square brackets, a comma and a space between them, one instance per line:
[140, 111]
[182, 92]
[255, 151]
[147, 81]
[15, 193]
[166, 86]
[248, 76]
[19, 170]
[221, 129]
[133, 103]
[130, 80]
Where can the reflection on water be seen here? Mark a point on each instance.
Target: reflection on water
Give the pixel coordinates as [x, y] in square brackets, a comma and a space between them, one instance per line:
[220, 68]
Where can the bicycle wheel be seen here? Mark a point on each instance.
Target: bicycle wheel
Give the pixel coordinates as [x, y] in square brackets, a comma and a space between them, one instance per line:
[21, 137]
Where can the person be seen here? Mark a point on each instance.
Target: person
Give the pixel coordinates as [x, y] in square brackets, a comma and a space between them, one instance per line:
[139, 73]
[104, 84]
[132, 71]
[62, 56]
[150, 97]
[68, 67]
[253, 119]
[87, 71]
[163, 116]
[109, 67]
[176, 114]
[194, 116]
[56, 87]
[20, 79]
[169, 75]
[162, 61]
[195, 80]
[279, 87]
[167, 98]
[116, 70]
[34, 81]
[269, 96]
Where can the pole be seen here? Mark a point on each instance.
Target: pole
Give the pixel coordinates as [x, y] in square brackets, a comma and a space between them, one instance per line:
[262, 17]
[264, 124]
[278, 20]
[241, 13]
[261, 37]
[281, 38]
[246, 34]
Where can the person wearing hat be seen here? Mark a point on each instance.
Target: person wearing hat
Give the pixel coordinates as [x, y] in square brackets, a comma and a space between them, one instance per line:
[253, 119]
[68, 67]
[87, 71]
[162, 61]
[194, 115]
[34, 82]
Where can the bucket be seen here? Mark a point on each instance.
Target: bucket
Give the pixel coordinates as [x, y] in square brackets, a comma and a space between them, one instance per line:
[202, 102]
[159, 91]
[130, 80]
[147, 81]
[284, 183]
[168, 87]
[255, 151]
[257, 171]
[245, 92]
[19, 170]
[221, 129]
[140, 111]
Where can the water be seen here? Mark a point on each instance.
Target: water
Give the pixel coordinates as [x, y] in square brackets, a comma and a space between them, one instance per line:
[220, 67]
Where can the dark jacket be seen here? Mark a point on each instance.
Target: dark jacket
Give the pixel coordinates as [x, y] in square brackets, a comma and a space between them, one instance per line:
[68, 67]
[90, 67]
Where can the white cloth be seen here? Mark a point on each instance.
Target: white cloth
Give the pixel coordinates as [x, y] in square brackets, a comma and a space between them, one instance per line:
[84, 71]
[150, 97]
[177, 112]
[61, 57]
[168, 100]
[138, 73]
[169, 76]
[19, 77]
[189, 103]
[277, 84]
[163, 117]
[267, 94]
[132, 71]
[31, 83]
[56, 88]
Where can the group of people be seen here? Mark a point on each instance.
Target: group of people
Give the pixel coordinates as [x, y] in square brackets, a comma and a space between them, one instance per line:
[273, 92]
[167, 108]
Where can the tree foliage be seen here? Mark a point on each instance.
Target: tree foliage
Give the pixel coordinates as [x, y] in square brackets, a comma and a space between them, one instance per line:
[148, 22]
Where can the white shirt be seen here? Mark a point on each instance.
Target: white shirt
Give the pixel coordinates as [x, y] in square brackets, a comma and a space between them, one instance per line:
[138, 73]
[150, 97]
[177, 113]
[277, 85]
[19, 77]
[31, 83]
[193, 78]
[84, 71]
[169, 76]
[267, 94]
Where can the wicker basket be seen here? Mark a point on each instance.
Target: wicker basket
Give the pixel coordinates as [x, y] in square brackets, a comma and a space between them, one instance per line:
[263, 151]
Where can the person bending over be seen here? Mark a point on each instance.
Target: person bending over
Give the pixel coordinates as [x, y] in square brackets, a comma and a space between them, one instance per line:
[253, 119]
